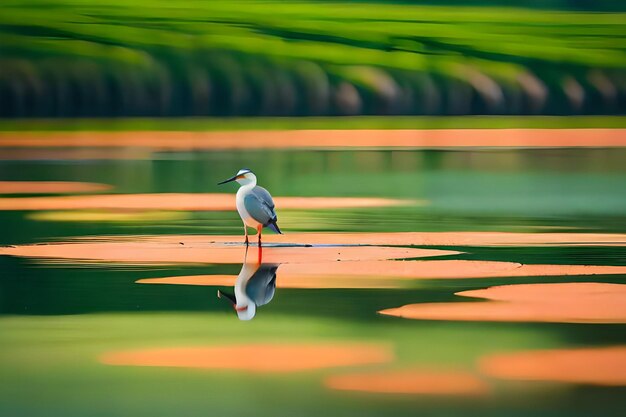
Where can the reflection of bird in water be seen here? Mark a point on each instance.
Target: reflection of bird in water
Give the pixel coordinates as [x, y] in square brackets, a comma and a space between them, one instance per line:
[254, 204]
[255, 286]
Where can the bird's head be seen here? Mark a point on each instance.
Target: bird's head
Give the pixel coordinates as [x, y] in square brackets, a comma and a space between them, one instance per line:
[243, 177]
[245, 310]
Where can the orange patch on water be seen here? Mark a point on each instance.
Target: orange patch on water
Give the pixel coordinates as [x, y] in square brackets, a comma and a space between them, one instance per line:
[282, 281]
[455, 238]
[362, 138]
[410, 382]
[263, 358]
[50, 187]
[581, 302]
[596, 366]
[416, 238]
[316, 261]
[446, 269]
[215, 280]
[162, 253]
[188, 202]
[389, 273]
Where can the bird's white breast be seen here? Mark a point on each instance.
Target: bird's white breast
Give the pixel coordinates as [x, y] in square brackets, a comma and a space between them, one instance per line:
[241, 208]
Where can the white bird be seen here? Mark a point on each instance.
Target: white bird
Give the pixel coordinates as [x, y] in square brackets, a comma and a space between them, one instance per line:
[254, 204]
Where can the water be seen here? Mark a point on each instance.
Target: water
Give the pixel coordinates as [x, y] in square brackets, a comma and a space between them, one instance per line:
[77, 331]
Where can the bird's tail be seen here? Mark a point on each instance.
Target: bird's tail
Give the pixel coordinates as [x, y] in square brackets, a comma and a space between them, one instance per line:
[272, 225]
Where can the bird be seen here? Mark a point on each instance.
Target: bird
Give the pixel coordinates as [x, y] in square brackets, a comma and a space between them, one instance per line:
[254, 204]
[255, 286]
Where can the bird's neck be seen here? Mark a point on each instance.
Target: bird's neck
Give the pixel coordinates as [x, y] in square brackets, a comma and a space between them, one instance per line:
[248, 186]
[247, 271]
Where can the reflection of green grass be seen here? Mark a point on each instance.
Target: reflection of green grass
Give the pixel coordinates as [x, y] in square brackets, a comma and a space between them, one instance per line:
[49, 365]
[343, 123]
[52, 362]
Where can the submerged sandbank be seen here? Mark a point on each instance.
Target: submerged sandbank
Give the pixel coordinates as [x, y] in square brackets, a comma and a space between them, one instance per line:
[594, 365]
[261, 358]
[576, 302]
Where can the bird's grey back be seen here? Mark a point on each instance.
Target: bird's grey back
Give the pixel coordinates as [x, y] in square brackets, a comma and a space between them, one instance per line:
[260, 205]
[264, 195]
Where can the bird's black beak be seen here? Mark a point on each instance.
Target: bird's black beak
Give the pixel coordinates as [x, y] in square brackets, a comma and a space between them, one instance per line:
[228, 180]
[227, 296]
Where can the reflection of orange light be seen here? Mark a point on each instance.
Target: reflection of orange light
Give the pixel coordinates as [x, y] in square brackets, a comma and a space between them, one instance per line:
[453, 238]
[391, 274]
[443, 269]
[399, 239]
[50, 187]
[362, 138]
[411, 238]
[300, 262]
[283, 281]
[269, 358]
[155, 252]
[217, 280]
[190, 202]
[598, 366]
[410, 382]
[585, 302]
[218, 249]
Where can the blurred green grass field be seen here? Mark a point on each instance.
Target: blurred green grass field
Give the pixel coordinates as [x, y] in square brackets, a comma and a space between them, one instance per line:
[68, 58]
[322, 123]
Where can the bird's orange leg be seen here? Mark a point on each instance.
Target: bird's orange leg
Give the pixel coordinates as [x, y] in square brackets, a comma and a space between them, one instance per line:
[259, 228]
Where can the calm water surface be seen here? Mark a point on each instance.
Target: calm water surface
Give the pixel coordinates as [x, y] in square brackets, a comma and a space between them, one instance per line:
[62, 322]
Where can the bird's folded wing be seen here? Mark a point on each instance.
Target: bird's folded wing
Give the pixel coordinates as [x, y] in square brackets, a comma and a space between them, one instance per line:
[258, 209]
[263, 195]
